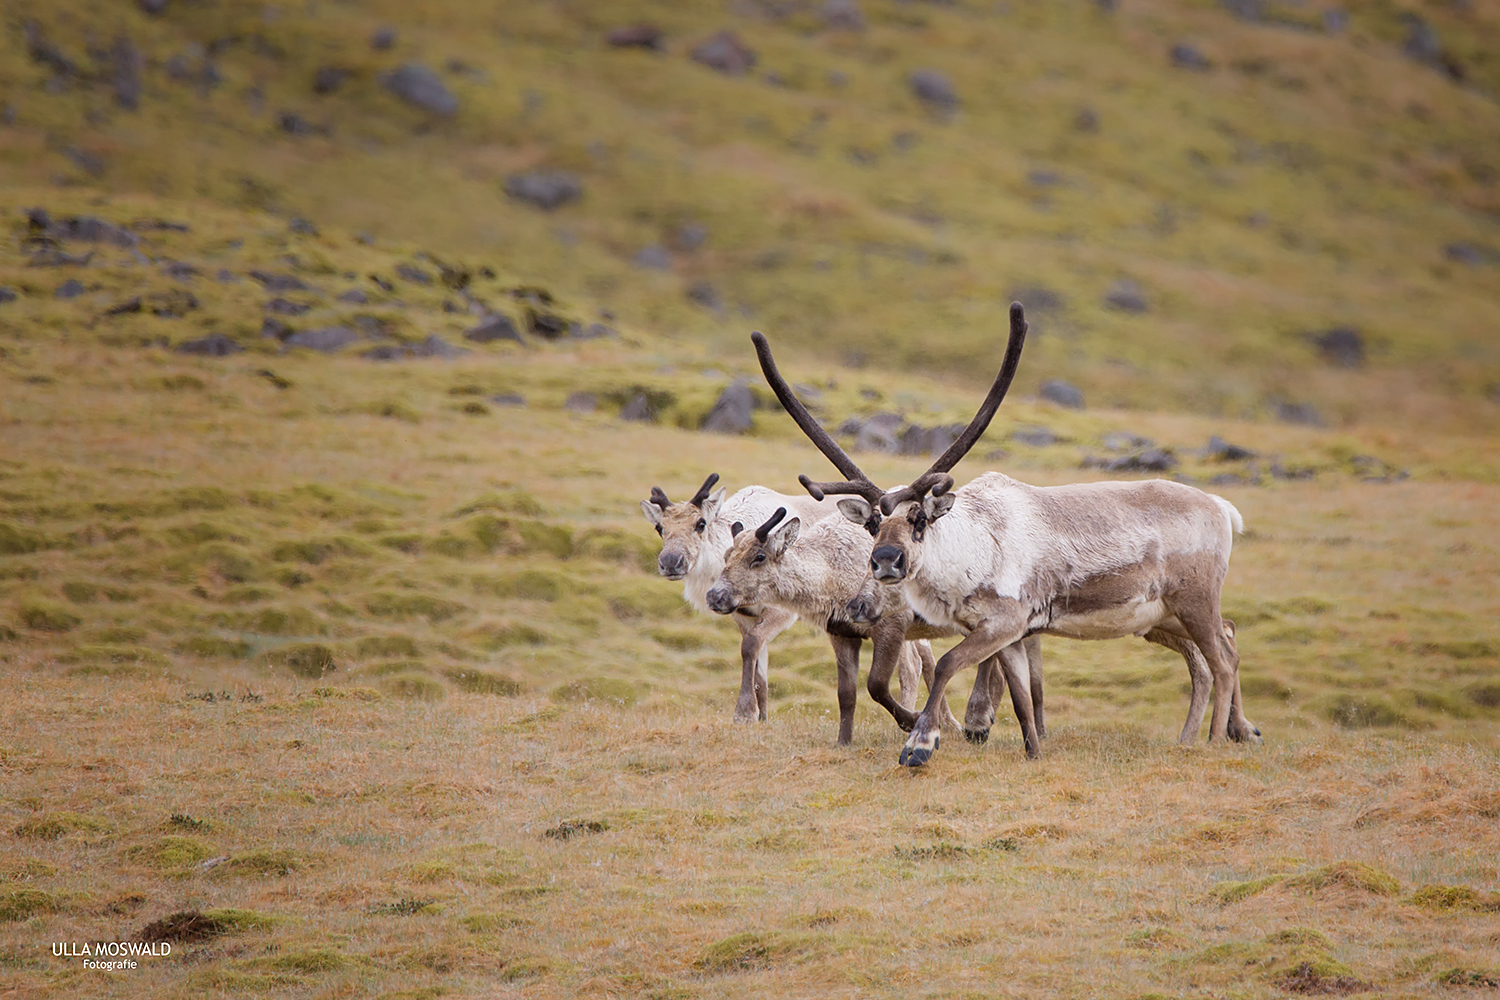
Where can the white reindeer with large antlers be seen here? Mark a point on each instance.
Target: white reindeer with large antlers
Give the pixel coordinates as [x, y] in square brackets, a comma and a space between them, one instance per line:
[695, 535]
[1001, 560]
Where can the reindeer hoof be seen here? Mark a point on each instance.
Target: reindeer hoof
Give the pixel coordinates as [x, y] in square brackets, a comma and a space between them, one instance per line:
[917, 756]
[978, 737]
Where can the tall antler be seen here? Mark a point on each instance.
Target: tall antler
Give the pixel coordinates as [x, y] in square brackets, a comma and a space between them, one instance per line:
[857, 482]
[764, 530]
[702, 493]
[936, 479]
[659, 498]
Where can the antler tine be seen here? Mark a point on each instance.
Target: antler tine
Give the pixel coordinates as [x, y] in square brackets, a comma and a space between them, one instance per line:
[936, 483]
[771, 522]
[970, 437]
[814, 430]
[702, 493]
[865, 489]
[659, 498]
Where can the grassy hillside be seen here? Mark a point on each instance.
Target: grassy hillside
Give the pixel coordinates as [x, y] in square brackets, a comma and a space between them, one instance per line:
[349, 671]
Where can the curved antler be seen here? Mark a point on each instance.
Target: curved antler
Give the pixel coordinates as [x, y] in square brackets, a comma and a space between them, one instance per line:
[935, 479]
[659, 498]
[702, 493]
[857, 482]
[771, 522]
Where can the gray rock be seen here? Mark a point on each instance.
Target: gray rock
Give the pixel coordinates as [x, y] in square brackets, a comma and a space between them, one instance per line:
[1220, 450]
[1229, 479]
[1472, 254]
[1297, 413]
[125, 73]
[386, 352]
[420, 87]
[53, 257]
[1062, 393]
[546, 189]
[547, 325]
[1126, 441]
[653, 257]
[1044, 178]
[842, 15]
[275, 329]
[326, 339]
[1126, 295]
[508, 399]
[1087, 121]
[1246, 10]
[413, 274]
[635, 36]
[594, 331]
[279, 282]
[934, 88]
[1036, 437]
[581, 402]
[286, 307]
[638, 409]
[726, 53]
[84, 228]
[152, 7]
[1038, 298]
[705, 294]
[1149, 460]
[688, 237]
[1421, 42]
[383, 39]
[1185, 56]
[927, 440]
[226, 276]
[355, 296]
[878, 433]
[70, 289]
[1335, 20]
[1369, 469]
[1342, 346]
[215, 345]
[302, 227]
[328, 79]
[8, 295]
[436, 347]
[180, 270]
[731, 412]
[495, 327]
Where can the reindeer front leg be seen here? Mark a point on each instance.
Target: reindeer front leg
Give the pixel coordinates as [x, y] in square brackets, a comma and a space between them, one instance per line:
[889, 640]
[1003, 624]
[846, 655]
[756, 633]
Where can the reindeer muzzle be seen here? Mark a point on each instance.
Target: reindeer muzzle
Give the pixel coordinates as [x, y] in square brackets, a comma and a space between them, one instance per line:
[888, 564]
[672, 565]
[720, 601]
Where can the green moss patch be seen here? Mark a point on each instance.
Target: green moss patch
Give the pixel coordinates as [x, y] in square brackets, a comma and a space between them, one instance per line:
[613, 690]
[1449, 898]
[188, 926]
[1350, 874]
[750, 950]
[171, 852]
[414, 686]
[24, 869]
[22, 904]
[263, 863]
[475, 681]
[47, 616]
[54, 825]
[311, 660]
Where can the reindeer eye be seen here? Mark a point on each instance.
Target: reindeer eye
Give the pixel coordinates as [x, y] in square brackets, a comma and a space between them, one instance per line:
[760, 557]
[700, 525]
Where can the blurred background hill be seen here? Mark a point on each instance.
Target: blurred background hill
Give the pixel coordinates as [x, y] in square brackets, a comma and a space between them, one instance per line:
[1249, 208]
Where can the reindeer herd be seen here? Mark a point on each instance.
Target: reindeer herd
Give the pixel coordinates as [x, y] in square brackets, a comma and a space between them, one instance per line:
[995, 561]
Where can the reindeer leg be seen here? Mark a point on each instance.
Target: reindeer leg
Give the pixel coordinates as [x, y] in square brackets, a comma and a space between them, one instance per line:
[989, 688]
[846, 655]
[1199, 614]
[889, 640]
[1017, 667]
[756, 633]
[1033, 645]
[909, 673]
[1004, 624]
[1198, 671]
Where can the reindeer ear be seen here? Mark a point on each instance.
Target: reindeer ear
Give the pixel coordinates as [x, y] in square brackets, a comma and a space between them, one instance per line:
[735, 529]
[711, 504]
[652, 512]
[856, 509]
[936, 507]
[783, 537]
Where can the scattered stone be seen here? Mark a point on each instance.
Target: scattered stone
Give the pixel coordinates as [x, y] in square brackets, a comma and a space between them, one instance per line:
[636, 36]
[328, 79]
[172, 303]
[546, 325]
[294, 124]
[1369, 469]
[130, 305]
[70, 289]
[354, 296]
[1185, 56]
[42, 50]
[1126, 295]
[215, 345]
[1036, 437]
[83, 228]
[1293, 473]
[932, 87]
[843, 15]
[1126, 441]
[546, 189]
[1342, 346]
[180, 270]
[1044, 178]
[125, 73]
[89, 163]
[1297, 413]
[878, 433]
[653, 257]
[594, 331]
[638, 409]
[420, 87]
[415, 274]
[1230, 479]
[274, 379]
[1087, 121]
[382, 284]
[279, 282]
[8, 295]
[302, 227]
[433, 347]
[1422, 45]
[286, 307]
[275, 329]
[508, 399]
[1220, 450]
[581, 402]
[688, 237]
[1246, 10]
[1149, 460]
[1038, 298]
[726, 53]
[226, 276]
[927, 440]
[705, 294]
[1335, 20]
[1472, 254]
[53, 257]
[383, 39]
[152, 7]
[1062, 393]
[496, 327]
[731, 412]
[326, 339]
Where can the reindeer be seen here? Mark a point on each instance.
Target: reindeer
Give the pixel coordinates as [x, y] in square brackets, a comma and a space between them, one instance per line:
[695, 534]
[1001, 560]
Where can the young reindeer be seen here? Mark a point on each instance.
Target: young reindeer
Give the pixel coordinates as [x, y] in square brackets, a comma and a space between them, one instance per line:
[1002, 560]
[695, 535]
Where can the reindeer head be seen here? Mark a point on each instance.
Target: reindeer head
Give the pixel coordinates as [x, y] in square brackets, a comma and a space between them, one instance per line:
[682, 526]
[898, 519]
[752, 562]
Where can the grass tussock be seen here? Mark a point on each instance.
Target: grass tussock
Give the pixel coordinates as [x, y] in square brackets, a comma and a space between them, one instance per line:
[264, 863]
[23, 904]
[55, 825]
[1455, 898]
[171, 853]
[192, 926]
